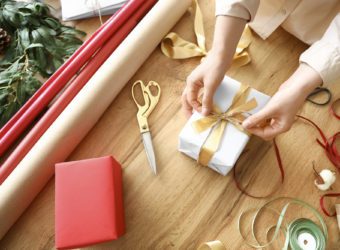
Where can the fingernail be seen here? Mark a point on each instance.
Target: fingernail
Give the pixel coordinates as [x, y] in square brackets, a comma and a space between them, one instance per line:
[195, 104]
[205, 111]
[246, 123]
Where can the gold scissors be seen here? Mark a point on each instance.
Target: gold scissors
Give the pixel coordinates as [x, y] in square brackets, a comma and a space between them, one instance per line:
[150, 101]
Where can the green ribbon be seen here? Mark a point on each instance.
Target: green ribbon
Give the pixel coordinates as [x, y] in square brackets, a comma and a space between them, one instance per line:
[291, 230]
[303, 225]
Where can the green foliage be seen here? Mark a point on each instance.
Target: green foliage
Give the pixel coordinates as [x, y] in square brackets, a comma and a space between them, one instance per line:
[39, 46]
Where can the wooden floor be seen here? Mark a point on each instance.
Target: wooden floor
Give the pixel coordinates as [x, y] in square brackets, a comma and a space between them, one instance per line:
[186, 205]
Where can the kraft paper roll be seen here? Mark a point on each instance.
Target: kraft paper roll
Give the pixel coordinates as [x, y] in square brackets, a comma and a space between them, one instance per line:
[34, 171]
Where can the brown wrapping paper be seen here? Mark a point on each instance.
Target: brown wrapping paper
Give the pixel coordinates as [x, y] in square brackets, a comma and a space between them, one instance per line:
[34, 171]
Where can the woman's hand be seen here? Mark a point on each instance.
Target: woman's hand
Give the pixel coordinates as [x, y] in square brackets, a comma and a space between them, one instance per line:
[279, 114]
[208, 75]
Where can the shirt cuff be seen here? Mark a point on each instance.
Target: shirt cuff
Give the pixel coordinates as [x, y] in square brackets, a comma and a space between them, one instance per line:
[245, 9]
[324, 58]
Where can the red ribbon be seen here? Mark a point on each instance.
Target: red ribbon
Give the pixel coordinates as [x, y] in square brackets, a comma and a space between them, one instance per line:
[329, 145]
[279, 164]
[322, 205]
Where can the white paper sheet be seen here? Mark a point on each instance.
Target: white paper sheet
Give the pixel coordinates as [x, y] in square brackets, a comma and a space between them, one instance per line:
[78, 9]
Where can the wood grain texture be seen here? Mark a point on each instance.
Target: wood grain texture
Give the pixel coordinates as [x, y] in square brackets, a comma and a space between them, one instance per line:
[186, 205]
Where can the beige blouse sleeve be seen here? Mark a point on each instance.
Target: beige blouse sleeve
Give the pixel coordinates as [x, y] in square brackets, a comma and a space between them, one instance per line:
[324, 55]
[245, 9]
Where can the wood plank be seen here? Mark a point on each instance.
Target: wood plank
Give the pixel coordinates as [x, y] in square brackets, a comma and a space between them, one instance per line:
[186, 205]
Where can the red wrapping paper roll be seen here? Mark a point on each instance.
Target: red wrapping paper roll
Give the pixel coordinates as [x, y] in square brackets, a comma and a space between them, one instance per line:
[38, 130]
[45, 94]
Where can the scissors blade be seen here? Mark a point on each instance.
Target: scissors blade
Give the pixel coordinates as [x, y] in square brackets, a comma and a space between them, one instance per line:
[150, 154]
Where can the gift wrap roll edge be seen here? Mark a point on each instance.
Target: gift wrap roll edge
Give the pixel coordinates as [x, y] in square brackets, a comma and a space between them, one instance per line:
[34, 171]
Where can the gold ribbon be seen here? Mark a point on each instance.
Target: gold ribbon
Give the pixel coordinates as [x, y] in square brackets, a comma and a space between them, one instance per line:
[175, 47]
[212, 245]
[218, 122]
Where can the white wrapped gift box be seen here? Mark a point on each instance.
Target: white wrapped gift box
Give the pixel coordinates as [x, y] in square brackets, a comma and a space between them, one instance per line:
[233, 141]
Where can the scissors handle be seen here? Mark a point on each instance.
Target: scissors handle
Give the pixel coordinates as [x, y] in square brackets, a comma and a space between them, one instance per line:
[139, 82]
[150, 101]
[153, 98]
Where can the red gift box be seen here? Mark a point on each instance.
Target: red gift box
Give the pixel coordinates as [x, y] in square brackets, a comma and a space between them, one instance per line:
[88, 202]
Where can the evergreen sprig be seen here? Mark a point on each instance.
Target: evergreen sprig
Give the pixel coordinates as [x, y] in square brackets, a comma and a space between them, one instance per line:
[39, 46]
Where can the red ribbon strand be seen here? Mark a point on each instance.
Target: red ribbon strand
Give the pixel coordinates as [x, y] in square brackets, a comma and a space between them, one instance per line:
[322, 205]
[328, 144]
[279, 164]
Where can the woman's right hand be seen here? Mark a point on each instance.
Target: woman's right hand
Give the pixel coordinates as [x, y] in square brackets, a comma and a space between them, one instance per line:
[208, 75]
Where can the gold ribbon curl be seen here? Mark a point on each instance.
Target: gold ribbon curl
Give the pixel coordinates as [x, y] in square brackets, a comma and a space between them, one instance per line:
[212, 245]
[218, 121]
[175, 47]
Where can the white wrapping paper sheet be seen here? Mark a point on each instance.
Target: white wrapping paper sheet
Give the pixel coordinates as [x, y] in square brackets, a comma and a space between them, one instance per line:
[233, 141]
[34, 171]
[78, 9]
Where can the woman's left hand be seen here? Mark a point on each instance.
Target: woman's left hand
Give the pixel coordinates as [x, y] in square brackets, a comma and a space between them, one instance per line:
[279, 114]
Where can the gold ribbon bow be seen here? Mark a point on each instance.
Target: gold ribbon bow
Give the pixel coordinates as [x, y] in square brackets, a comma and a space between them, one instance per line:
[175, 47]
[218, 122]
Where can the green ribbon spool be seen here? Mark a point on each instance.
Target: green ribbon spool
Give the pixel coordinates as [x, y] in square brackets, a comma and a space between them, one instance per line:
[294, 230]
[306, 227]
